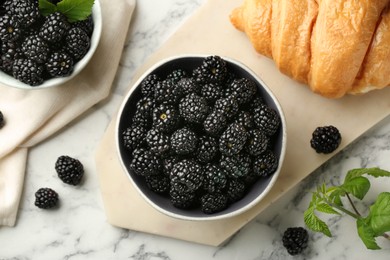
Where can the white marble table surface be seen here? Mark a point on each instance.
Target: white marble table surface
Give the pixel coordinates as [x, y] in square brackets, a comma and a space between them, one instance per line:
[78, 228]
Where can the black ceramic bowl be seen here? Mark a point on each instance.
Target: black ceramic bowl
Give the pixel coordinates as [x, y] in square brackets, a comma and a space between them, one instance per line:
[256, 193]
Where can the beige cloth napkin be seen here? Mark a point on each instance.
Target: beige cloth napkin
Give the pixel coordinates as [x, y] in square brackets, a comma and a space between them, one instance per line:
[33, 115]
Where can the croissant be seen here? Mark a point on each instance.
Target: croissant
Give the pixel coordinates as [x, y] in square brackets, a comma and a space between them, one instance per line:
[334, 46]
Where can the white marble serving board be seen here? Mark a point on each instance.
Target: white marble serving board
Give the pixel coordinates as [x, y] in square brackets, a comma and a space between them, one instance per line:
[209, 31]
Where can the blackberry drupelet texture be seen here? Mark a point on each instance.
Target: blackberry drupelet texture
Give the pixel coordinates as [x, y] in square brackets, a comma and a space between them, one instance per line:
[69, 170]
[295, 240]
[265, 164]
[54, 27]
[233, 139]
[77, 43]
[184, 141]
[28, 71]
[46, 198]
[213, 202]
[186, 176]
[193, 108]
[59, 64]
[325, 139]
[145, 163]
[134, 137]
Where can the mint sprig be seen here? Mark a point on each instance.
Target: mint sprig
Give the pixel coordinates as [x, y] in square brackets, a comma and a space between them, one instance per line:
[329, 200]
[74, 10]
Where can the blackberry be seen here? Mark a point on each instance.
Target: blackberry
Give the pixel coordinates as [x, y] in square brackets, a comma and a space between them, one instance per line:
[8, 58]
[158, 183]
[237, 166]
[158, 142]
[27, 71]
[227, 106]
[215, 178]
[148, 85]
[177, 75]
[212, 70]
[325, 139]
[26, 11]
[59, 64]
[142, 119]
[168, 164]
[10, 28]
[295, 240]
[77, 43]
[243, 90]
[189, 85]
[266, 119]
[145, 163]
[265, 164]
[235, 190]
[166, 118]
[233, 139]
[184, 141]
[193, 108]
[86, 25]
[54, 28]
[146, 106]
[167, 92]
[46, 198]
[215, 123]
[35, 48]
[207, 149]
[245, 118]
[213, 203]
[2, 121]
[211, 92]
[134, 137]
[186, 176]
[69, 170]
[257, 142]
[182, 200]
[256, 102]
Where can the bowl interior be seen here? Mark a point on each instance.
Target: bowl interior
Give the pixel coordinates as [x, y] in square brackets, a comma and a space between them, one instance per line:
[257, 191]
[97, 19]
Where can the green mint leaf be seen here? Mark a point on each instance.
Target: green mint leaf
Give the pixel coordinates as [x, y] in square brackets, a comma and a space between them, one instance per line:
[325, 208]
[366, 234]
[75, 10]
[379, 217]
[375, 172]
[46, 7]
[314, 223]
[357, 186]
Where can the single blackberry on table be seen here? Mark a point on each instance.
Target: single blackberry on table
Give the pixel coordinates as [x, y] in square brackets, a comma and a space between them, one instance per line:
[266, 119]
[134, 137]
[186, 176]
[69, 170]
[46, 198]
[235, 190]
[189, 85]
[176, 75]
[158, 142]
[215, 123]
[54, 28]
[184, 200]
[193, 108]
[86, 25]
[227, 106]
[77, 43]
[237, 166]
[145, 163]
[243, 90]
[10, 28]
[233, 139]
[184, 141]
[26, 11]
[35, 48]
[215, 178]
[257, 142]
[2, 121]
[211, 92]
[245, 118]
[295, 240]
[27, 71]
[212, 70]
[146, 106]
[167, 92]
[166, 118]
[158, 183]
[265, 164]
[168, 164]
[325, 139]
[59, 64]
[148, 85]
[213, 203]
[207, 149]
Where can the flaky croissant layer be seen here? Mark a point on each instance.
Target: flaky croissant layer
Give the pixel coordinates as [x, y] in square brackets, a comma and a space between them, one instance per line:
[334, 46]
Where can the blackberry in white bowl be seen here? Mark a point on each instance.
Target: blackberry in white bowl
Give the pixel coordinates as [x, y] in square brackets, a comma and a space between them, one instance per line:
[214, 155]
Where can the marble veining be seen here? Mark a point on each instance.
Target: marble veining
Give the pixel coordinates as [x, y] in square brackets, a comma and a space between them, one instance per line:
[78, 229]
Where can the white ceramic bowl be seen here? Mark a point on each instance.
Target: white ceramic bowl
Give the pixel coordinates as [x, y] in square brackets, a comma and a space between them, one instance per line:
[255, 194]
[8, 80]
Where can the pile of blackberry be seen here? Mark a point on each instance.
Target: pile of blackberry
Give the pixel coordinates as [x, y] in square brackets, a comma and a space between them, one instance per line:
[202, 137]
[34, 47]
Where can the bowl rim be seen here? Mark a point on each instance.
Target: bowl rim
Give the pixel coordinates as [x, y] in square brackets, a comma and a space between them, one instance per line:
[10, 81]
[211, 217]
